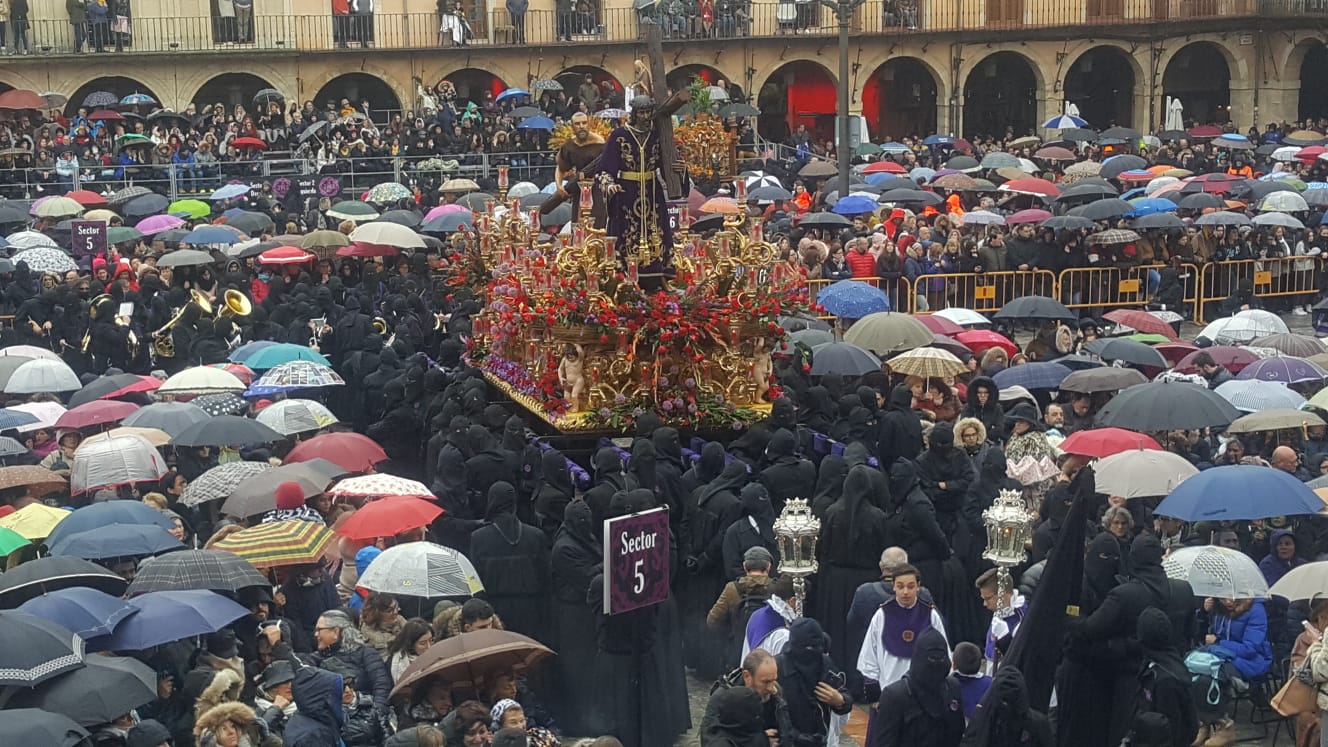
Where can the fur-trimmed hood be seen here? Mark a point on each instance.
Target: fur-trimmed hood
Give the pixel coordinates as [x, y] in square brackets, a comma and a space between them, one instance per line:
[225, 686]
[253, 731]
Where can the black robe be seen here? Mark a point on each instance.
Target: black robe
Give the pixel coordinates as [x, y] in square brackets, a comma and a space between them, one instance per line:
[554, 493]
[755, 528]
[787, 476]
[609, 479]
[577, 559]
[513, 561]
[711, 509]
[900, 432]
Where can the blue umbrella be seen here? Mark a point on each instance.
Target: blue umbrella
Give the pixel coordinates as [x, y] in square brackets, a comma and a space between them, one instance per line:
[87, 612]
[115, 541]
[450, 223]
[509, 93]
[210, 235]
[941, 140]
[230, 191]
[108, 512]
[536, 123]
[272, 356]
[853, 205]
[1032, 376]
[1063, 122]
[166, 616]
[242, 353]
[1240, 492]
[1151, 205]
[852, 299]
[15, 418]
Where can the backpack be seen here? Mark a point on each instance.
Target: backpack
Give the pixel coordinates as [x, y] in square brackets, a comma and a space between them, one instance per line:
[750, 603]
[1206, 669]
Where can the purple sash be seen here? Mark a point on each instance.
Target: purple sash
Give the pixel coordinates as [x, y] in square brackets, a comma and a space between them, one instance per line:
[762, 623]
[902, 626]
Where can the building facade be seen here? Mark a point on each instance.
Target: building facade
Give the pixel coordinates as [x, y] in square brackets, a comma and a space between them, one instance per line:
[969, 67]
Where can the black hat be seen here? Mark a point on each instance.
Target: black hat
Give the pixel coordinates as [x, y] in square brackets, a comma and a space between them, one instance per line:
[222, 644]
[276, 673]
[149, 733]
[1023, 411]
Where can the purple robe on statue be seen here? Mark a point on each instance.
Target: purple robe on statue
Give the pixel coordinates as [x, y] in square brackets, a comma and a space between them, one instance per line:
[631, 159]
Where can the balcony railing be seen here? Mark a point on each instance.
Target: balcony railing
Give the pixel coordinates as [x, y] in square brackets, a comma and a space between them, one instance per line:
[734, 19]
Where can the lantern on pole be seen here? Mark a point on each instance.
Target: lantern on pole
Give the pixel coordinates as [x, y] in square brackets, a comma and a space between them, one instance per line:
[796, 531]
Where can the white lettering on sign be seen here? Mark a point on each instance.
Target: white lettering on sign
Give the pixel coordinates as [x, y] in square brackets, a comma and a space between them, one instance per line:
[89, 230]
[642, 541]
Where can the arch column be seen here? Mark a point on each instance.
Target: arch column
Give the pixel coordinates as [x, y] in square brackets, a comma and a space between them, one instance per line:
[1279, 101]
[1242, 103]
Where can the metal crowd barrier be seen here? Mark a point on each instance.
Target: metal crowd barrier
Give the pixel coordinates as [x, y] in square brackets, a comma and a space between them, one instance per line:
[984, 292]
[1290, 278]
[897, 291]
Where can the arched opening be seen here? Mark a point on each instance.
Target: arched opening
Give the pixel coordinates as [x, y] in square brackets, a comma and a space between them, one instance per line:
[231, 89]
[1101, 83]
[472, 84]
[115, 85]
[5, 87]
[798, 93]
[358, 88]
[1000, 96]
[1199, 76]
[899, 99]
[1314, 83]
[681, 77]
[577, 82]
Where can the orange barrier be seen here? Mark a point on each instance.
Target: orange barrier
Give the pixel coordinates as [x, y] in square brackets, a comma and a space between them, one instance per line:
[984, 292]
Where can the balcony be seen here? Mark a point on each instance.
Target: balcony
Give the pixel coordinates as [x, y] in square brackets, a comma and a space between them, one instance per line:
[735, 19]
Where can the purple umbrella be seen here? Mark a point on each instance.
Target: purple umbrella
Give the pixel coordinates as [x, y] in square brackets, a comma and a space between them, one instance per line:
[1285, 370]
[157, 224]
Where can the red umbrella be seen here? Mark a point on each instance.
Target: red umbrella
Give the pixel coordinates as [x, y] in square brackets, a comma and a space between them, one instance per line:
[885, 167]
[389, 517]
[1102, 442]
[365, 249]
[1032, 186]
[21, 99]
[982, 340]
[349, 451]
[1310, 153]
[285, 255]
[144, 384]
[106, 115]
[938, 324]
[1205, 131]
[98, 412]
[951, 345]
[1174, 352]
[1141, 321]
[1032, 215]
[243, 373]
[86, 198]
[249, 142]
[1232, 358]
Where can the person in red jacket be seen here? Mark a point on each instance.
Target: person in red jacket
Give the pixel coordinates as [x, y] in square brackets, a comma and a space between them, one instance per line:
[860, 261]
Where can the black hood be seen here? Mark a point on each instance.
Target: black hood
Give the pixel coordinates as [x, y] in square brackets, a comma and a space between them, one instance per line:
[783, 413]
[732, 478]
[668, 446]
[901, 398]
[903, 478]
[927, 671]
[782, 444]
[755, 501]
[941, 438]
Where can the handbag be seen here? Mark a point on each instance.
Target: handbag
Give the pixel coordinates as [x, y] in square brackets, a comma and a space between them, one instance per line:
[121, 25]
[1295, 697]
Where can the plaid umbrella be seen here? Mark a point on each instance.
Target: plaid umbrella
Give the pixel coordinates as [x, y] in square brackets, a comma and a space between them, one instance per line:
[927, 363]
[278, 543]
[1037, 376]
[422, 569]
[299, 374]
[379, 485]
[123, 196]
[1113, 236]
[214, 570]
[218, 482]
[228, 403]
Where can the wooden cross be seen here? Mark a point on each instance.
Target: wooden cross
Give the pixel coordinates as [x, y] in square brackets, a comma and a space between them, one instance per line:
[668, 147]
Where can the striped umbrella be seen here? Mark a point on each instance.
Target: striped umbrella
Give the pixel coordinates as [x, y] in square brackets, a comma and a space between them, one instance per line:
[1257, 395]
[279, 543]
[927, 363]
[422, 569]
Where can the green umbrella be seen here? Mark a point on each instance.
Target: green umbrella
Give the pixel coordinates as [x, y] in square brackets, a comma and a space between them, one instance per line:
[867, 149]
[11, 541]
[132, 139]
[117, 234]
[192, 208]
[1148, 339]
[353, 210]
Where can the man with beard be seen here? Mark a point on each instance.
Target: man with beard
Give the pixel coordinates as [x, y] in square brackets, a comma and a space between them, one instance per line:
[574, 157]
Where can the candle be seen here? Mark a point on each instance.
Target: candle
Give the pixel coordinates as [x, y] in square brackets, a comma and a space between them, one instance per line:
[622, 342]
[502, 177]
[530, 351]
[610, 248]
[516, 206]
[740, 189]
[592, 279]
[578, 234]
[585, 196]
[488, 206]
[758, 233]
[633, 272]
[534, 218]
[724, 246]
[684, 216]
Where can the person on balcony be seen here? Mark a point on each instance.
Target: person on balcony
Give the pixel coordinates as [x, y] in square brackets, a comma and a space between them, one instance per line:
[517, 10]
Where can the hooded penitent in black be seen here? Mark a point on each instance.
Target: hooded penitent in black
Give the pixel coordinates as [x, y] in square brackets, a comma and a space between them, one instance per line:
[711, 509]
[1005, 718]
[554, 492]
[853, 534]
[513, 560]
[788, 475]
[804, 663]
[576, 559]
[923, 708]
[900, 432]
[755, 528]
[608, 478]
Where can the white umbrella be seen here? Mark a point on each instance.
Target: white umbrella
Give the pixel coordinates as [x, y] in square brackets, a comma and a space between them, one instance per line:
[28, 351]
[1237, 330]
[1216, 572]
[46, 414]
[422, 569]
[291, 416]
[1283, 202]
[387, 234]
[1309, 581]
[29, 240]
[522, 189]
[963, 317]
[43, 375]
[1141, 472]
[202, 380]
[1254, 395]
[1158, 183]
[1286, 154]
[1266, 318]
[109, 463]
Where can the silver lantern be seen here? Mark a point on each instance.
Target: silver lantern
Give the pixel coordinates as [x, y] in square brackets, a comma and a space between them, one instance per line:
[796, 531]
[1009, 529]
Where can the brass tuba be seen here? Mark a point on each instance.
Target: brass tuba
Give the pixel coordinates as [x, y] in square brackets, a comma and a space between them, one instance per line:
[234, 303]
[162, 344]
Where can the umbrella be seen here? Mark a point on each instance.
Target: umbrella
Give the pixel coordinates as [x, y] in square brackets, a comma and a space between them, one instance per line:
[42, 375]
[97, 412]
[389, 517]
[113, 462]
[1036, 308]
[825, 220]
[226, 430]
[201, 380]
[37, 480]
[104, 690]
[853, 299]
[158, 224]
[218, 482]
[849, 205]
[1282, 202]
[257, 494]
[285, 255]
[1035, 375]
[1107, 379]
[963, 317]
[171, 417]
[1103, 442]
[1104, 209]
[11, 541]
[297, 374]
[421, 569]
[224, 403]
[103, 514]
[34, 726]
[1141, 321]
[87, 612]
[1239, 492]
[378, 486]
[1219, 572]
[1165, 406]
[278, 543]
[938, 324]
[46, 413]
[1284, 370]
[1141, 472]
[324, 239]
[387, 234]
[353, 210]
[388, 192]
[110, 387]
[291, 416]
[188, 257]
[1274, 419]
[797, 322]
[1236, 330]
[27, 351]
[115, 541]
[33, 522]
[470, 659]
[927, 362]
[461, 185]
[57, 207]
[1299, 346]
[248, 142]
[1231, 358]
[1308, 581]
[166, 616]
[509, 93]
[1257, 396]
[1063, 122]
[982, 340]
[34, 650]
[1129, 351]
[885, 333]
[982, 218]
[406, 218]
[844, 359]
[810, 338]
[230, 191]
[214, 570]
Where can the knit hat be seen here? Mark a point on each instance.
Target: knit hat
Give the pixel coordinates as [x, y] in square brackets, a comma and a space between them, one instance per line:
[499, 709]
[364, 557]
[98, 262]
[289, 495]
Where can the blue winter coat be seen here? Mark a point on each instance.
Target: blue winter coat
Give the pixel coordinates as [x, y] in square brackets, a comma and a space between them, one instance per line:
[1243, 641]
[319, 718]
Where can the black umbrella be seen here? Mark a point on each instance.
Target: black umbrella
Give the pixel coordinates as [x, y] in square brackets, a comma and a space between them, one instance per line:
[257, 494]
[407, 218]
[222, 403]
[257, 249]
[855, 183]
[164, 116]
[1038, 308]
[226, 430]
[1079, 135]
[268, 95]
[1120, 133]
[211, 570]
[1128, 351]
[911, 197]
[250, 222]
[33, 650]
[313, 129]
[843, 359]
[1170, 136]
[1105, 379]
[104, 690]
[1067, 222]
[521, 112]
[36, 577]
[715, 221]
[1104, 209]
[102, 387]
[1201, 201]
[145, 205]
[825, 220]
[33, 726]
[116, 541]
[1167, 406]
[10, 213]
[1254, 191]
[533, 200]
[797, 322]
[1158, 220]
[1117, 165]
[559, 216]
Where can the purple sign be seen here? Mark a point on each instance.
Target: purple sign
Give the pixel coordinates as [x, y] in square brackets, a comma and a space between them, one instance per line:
[636, 561]
[87, 238]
